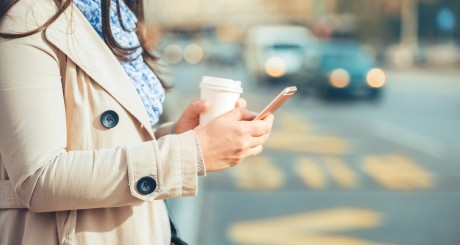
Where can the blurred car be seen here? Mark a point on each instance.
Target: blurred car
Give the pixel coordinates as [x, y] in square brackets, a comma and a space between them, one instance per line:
[275, 53]
[348, 68]
[223, 53]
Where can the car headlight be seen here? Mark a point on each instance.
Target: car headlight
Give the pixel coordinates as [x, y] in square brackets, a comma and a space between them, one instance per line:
[339, 78]
[376, 78]
[275, 67]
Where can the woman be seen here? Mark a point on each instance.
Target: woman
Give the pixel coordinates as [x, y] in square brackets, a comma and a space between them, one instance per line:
[79, 160]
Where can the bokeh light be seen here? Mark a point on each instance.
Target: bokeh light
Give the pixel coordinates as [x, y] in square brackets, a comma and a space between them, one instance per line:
[193, 53]
[275, 67]
[339, 78]
[173, 54]
[376, 78]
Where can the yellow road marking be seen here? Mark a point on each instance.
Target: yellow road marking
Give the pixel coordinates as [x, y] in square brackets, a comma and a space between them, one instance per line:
[258, 173]
[297, 142]
[310, 173]
[418, 176]
[307, 228]
[398, 172]
[293, 134]
[292, 123]
[340, 172]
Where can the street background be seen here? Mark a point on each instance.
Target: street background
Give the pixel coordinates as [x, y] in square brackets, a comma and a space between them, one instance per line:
[345, 164]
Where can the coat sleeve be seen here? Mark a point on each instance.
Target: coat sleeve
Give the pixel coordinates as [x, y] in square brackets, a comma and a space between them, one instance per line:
[47, 177]
[165, 129]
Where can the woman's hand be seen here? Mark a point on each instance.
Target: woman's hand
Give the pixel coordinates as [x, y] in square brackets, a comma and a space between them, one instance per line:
[191, 116]
[231, 137]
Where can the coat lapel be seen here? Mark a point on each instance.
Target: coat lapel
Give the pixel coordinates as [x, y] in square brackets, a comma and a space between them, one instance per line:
[74, 36]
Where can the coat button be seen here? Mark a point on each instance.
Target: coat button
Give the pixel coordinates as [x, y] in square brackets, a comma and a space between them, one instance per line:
[146, 185]
[109, 119]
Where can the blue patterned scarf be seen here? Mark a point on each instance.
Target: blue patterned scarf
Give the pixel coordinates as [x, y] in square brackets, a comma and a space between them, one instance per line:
[144, 80]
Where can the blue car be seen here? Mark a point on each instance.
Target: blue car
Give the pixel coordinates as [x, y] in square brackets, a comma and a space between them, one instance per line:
[347, 68]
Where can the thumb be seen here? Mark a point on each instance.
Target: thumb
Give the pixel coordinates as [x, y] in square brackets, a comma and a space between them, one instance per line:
[237, 114]
[197, 107]
[241, 103]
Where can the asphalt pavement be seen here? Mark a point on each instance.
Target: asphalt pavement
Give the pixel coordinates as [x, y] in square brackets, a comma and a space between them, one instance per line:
[344, 172]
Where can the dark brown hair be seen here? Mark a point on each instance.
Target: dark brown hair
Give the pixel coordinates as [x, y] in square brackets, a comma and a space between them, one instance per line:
[122, 53]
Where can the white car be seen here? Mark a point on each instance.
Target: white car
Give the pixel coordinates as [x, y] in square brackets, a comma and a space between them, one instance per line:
[283, 53]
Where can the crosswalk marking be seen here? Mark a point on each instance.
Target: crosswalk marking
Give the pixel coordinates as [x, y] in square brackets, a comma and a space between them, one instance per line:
[292, 123]
[310, 173]
[420, 177]
[391, 171]
[321, 227]
[397, 172]
[258, 173]
[342, 174]
[295, 142]
[293, 134]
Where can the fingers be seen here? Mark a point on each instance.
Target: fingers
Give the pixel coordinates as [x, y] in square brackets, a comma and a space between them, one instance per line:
[259, 127]
[195, 108]
[190, 117]
[249, 115]
[255, 151]
[255, 141]
[241, 103]
[200, 106]
[245, 114]
[229, 138]
[240, 114]
[260, 134]
[236, 114]
[269, 119]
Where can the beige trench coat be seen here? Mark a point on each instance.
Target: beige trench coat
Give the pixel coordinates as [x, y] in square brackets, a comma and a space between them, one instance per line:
[64, 177]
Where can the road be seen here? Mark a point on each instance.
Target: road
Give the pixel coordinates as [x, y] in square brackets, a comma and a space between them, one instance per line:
[342, 172]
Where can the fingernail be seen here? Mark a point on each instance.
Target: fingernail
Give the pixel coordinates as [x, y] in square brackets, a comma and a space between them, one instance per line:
[197, 103]
[203, 102]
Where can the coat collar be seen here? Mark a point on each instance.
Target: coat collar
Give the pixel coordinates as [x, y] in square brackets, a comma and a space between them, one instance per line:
[74, 36]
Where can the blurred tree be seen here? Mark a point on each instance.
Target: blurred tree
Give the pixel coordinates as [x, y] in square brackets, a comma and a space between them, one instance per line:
[380, 21]
[430, 29]
[369, 19]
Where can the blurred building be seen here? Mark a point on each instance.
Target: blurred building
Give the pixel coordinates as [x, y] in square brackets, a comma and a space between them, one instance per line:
[380, 23]
[238, 14]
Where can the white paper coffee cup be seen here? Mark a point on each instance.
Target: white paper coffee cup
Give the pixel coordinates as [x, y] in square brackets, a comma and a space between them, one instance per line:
[222, 95]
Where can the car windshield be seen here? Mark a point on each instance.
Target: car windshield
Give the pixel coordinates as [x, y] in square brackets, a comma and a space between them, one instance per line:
[353, 57]
[286, 47]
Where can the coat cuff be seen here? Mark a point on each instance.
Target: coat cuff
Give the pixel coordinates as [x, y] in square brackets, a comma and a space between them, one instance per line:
[200, 160]
[165, 129]
[171, 162]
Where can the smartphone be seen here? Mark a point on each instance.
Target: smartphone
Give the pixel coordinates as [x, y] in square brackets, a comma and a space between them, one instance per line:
[277, 102]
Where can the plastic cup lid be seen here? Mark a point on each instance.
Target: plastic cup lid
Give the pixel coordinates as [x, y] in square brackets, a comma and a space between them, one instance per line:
[221, 84]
